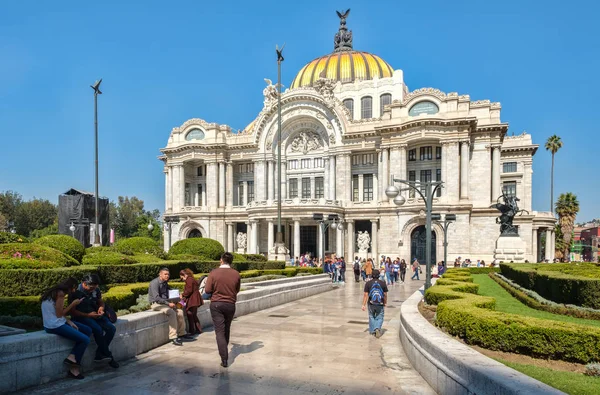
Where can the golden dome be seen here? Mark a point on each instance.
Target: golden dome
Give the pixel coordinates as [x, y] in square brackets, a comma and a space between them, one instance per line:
[344, 66]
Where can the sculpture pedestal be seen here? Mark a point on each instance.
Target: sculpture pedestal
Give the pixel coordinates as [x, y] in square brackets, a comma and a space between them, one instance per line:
[510, 248]
[362, 255]
[241, 250]
[279, 252]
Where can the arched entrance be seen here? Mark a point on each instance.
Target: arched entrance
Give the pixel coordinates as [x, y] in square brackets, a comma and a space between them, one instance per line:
[194, 233]
[417, 245]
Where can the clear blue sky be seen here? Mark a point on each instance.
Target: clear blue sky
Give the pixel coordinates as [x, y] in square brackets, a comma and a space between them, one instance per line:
[166, 62]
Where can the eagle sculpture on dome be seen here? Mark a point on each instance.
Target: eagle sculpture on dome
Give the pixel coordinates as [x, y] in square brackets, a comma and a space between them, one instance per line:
[342, 41]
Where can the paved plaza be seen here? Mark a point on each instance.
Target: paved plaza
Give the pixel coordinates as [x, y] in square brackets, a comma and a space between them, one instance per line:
[317, 345]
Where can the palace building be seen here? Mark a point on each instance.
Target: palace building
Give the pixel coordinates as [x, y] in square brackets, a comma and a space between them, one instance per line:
[350, 123]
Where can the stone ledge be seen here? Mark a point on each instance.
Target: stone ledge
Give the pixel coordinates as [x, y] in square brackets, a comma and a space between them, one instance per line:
[37, 357]
[451, 367]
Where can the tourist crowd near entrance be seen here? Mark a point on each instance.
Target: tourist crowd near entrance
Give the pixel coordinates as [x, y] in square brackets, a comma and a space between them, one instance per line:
[349, 124]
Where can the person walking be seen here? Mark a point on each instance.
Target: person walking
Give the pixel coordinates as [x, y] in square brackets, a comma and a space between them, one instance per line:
[54, 316]
[192, 300]
[224, 284]
[376, 297]
[90, 312]
[356, 270]
[158, 296]
[369, 268]
[342, 270]
[396, 270]
[402, 271]
[389, 271]
[416, 267]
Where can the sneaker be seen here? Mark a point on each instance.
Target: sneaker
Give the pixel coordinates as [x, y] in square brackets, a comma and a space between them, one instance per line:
[177, 342]
[378, 333]
[113, 364]
[224, 363]
[102, 358]
[187, 336]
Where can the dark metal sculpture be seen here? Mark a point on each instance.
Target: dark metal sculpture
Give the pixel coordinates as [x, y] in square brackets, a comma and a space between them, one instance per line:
[508, 210]
[342, 41]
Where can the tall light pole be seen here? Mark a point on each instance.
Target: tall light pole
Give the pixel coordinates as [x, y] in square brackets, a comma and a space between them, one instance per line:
[448, 219]
[96, 88]
[324, 222]
[430, 187]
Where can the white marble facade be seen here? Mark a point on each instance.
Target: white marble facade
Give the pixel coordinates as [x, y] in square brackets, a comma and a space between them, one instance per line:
[220, 182]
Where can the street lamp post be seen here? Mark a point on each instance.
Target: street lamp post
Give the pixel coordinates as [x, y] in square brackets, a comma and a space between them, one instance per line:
[430, 188]
[448, 219]
[325, 222]
[169, 221]
[96, 88]
[72, 229]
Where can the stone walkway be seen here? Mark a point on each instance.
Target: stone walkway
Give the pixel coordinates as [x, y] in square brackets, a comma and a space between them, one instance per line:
[318, 345]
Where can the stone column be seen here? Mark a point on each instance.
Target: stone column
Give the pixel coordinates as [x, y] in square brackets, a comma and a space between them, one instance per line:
[296, 238]
[255, 238]
[464, 170]
[181, 186]
[259, 180]
[312, 187]
[495, 173]
[270, 181]
[230, 187]
[197, 196]
[286, 233]
[444, 171]
[350, 227]
[361, 187]
[203, 197]
[385, 168]
[245, 200]
[374, 250]
[230, 237]
[221, 184]
[332, 177]
[396, 168]
[375, 188]
[381, 186]
[168, 188]
[284, 183]
[339, 242]
[326, 179]
[319, 242]
[212, 182]
[270, 235]
[549, 253]
[347, 160]
[527, 185]
[553, 249]
[534, 248]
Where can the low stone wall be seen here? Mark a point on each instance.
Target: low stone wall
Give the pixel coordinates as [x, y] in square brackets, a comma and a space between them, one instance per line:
[36, 358]
[451, 367]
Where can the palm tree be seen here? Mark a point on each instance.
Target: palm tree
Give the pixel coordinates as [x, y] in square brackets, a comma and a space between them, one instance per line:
[553, 144]
[567, 207]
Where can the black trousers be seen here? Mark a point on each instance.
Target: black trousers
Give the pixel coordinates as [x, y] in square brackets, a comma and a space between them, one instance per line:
[222, 314]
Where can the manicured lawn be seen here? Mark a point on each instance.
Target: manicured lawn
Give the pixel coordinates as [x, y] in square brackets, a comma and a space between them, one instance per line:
[506, 303]
[569, 382]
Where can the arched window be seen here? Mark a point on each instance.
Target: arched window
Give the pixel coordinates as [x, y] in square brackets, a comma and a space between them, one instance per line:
[384, 100]
[349, 104]
[195, 134]
[366, 107]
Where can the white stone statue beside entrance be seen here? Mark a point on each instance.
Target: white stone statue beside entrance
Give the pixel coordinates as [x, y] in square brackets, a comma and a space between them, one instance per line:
[363, 242]
[241, 242]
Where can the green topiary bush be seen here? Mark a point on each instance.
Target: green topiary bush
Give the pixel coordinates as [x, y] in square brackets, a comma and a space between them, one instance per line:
[200, 246]
[255, 257]
[138, 245]
[66, 244]
[104, 257]
[461, 312]
[7, 237]
[32, 256]
[238, 257]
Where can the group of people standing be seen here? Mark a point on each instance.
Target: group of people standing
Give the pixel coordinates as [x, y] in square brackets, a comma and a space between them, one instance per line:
[87, 314]
[392, 272]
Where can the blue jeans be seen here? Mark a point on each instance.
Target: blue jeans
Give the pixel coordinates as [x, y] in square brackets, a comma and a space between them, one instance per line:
[416, 274]
[388, 277]
[103, 331]
[81, 337]
[375, 318]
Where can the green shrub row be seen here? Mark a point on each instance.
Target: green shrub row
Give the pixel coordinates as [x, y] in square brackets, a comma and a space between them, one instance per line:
[198, 246]
[7, 237]
[66, 244]
[463, 313]
[551, 282]
[535, 301]
[108, 257]
[29, 282]
[119, 296]
[32, 256]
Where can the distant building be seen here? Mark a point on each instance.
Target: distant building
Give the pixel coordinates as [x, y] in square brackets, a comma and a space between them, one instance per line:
[590, 241]
[349, 123]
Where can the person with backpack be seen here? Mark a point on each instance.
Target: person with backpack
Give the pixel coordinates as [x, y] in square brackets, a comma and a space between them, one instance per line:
[376, 297]
[356, 270]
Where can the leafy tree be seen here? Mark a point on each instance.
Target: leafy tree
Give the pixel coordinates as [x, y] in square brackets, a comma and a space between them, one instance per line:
[47, 231]
[553, 144]
[130, 218]
[9, 202]
[567, 207]
[35, 214]
[3, 223]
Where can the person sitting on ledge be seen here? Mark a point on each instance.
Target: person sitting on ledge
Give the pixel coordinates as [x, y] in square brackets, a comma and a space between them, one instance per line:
[158, 296]
[54, 315]
[90, 312]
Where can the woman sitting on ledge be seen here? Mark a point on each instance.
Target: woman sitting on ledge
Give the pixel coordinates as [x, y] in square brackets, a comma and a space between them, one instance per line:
[54, 315]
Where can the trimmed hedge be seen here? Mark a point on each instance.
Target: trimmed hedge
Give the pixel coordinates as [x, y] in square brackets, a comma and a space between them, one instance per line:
[107, 257]
[65, 244]
[199, 246]
[34, 282]
[7, 237]
[255, 257]
[139, 245]
[32, 256]
[463, 313]
[557, 283]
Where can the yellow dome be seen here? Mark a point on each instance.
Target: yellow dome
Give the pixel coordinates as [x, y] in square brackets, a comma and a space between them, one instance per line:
[344, 66]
